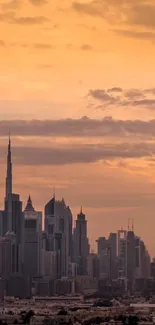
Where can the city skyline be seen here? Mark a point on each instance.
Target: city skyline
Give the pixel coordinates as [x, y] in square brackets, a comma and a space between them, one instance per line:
[9, 190]
[77, 92]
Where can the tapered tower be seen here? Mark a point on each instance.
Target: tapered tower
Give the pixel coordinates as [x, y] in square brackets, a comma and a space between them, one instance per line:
[8, 189]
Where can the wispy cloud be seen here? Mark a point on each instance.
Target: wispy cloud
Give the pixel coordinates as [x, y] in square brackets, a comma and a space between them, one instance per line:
[117, 96]
[29, 20]
[135, 34]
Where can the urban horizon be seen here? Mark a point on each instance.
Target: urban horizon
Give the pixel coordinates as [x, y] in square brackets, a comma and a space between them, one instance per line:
[93, 247]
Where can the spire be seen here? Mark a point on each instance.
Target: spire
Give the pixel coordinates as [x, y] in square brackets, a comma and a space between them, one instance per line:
[128, 224]
[54, 192]
[81, 210]
[132, 224]
[9, 171]
[29, 207]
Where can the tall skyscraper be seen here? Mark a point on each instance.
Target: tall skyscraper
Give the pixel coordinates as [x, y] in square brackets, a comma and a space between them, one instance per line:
[112, 246]
[13, 217]
[131, 259]
[122, 254]
[81, 244]
[58, 226]
[33, 240]
[8, 189]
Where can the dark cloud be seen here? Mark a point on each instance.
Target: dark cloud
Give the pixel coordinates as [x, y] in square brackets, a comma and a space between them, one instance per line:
[102, 95]
[83, 127]
[88, 8]
[144, 98]
[145, 102]
[129, 12]
[135, 34]
[142, 14]
[87, 153]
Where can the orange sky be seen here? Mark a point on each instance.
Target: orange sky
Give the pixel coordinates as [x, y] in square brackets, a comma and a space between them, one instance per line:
[63, 60]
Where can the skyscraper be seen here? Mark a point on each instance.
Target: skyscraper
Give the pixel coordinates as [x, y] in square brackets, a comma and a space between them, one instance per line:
[33, 240]
[131, 259]
[13, 217]
[58, 226]
[122, 254]
[81, 244]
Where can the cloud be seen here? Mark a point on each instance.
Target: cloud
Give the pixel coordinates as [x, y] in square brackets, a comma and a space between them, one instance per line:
[87, 8]
[102, 95]
[127, 12]
[87, 153]
[10, 5]
[118, 97]
[43, 46]
[29, 20]
[87, 47]
[83, 47]
[115, 90]
[38, 2]
[135, 34]
[83, 127]
[2, 43]
[37, 46]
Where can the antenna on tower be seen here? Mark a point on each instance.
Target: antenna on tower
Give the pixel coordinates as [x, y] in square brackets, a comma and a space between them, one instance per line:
[128, 224]
[54, 192]
[132, 224]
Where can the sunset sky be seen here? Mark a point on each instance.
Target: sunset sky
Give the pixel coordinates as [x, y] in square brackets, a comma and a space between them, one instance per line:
[77, 91]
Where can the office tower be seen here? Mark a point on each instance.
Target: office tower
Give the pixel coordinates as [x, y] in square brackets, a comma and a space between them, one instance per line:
[112, 246]
[145, 260]
[138, 258]
[131, 259]
[81, 244]
[1, 223]
[101, 244]
[32, 240]
[58, 227]
[50, 264]
[93, 269]
[8, 255]
[122, 254]
[13, 217]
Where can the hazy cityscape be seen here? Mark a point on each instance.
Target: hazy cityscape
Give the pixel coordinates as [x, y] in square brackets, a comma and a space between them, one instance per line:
[58, 260]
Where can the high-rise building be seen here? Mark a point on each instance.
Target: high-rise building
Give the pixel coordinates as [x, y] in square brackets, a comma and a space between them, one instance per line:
[122, 254]
[32, 240]
[101, 245]
[131, 259]
[58, 227]
[8, 255]
[81, 244]
[112, 246]
[13, 217]
[93, 269]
